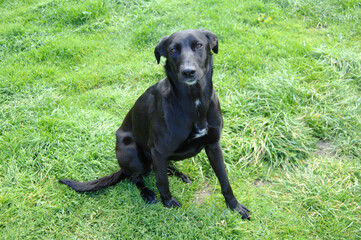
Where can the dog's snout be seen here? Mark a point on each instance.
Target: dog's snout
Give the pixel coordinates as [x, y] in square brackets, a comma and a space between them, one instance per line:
[189, 72]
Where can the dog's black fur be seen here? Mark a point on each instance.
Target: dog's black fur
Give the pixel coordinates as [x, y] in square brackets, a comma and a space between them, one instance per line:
[173, 120]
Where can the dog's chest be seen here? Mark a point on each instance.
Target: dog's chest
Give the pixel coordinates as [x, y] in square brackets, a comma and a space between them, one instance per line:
[200, 135]
[200, 128]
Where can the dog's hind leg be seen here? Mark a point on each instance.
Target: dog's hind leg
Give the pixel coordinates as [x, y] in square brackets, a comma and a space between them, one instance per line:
[147, 194]
[134, 163]
[173, 171]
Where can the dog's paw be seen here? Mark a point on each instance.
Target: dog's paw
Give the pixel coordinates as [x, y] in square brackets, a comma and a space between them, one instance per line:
[243, 211]
[171, 203]
[185, 178]
[148, 196]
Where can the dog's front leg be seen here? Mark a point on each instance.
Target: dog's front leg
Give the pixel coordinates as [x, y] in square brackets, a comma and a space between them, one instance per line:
[215, 156]
[160, 165]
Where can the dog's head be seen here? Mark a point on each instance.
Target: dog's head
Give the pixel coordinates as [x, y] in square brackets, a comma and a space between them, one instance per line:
[187, 53]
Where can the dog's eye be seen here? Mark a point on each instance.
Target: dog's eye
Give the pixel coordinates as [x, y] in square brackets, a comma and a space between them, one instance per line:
[173, 50]
[199, 45]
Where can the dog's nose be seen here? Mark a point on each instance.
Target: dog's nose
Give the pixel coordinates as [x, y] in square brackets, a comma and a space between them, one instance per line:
[189, 72]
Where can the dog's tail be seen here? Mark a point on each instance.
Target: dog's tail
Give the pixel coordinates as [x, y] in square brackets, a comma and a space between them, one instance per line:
[97, 184]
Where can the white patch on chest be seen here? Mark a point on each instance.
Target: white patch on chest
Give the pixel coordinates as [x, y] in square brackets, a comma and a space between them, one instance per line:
[197, 103]
[201, 133]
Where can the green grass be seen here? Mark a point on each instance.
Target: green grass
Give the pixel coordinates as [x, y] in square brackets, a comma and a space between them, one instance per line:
[288, 75]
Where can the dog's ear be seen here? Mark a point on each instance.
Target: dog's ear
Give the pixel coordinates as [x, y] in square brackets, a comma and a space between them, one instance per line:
[159, 50]
[212, 39]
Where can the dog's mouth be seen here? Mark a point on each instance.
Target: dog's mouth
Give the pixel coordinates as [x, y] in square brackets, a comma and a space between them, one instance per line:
[191, 81]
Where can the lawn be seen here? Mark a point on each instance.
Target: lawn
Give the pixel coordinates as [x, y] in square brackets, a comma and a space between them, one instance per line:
[288, 75]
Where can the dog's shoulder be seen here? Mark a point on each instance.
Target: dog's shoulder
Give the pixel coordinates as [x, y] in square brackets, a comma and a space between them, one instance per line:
[164, 87]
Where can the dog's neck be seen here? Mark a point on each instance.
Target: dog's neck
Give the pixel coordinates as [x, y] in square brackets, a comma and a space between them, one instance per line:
[195, 98]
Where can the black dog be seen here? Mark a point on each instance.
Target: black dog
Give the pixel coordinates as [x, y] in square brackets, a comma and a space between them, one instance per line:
[173, 120]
